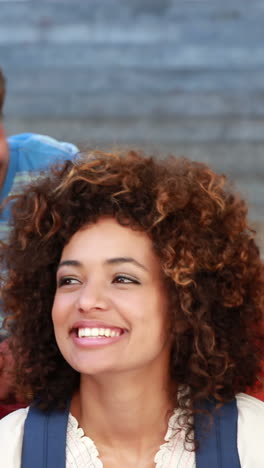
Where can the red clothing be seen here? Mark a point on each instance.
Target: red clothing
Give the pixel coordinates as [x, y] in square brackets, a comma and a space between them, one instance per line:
[8, 408]
[258, 391]
[8, 400]
[259, 395]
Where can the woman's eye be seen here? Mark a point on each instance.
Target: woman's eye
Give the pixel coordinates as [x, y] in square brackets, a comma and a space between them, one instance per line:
[123, 279]
[67, 281]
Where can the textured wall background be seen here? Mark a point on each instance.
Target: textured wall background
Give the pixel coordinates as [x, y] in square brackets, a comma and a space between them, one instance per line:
[182, 76]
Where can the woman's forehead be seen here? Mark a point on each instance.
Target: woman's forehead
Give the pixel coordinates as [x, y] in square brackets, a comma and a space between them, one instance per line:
[109, 241]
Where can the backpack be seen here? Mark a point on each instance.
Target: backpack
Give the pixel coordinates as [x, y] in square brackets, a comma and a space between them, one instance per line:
[44, 443]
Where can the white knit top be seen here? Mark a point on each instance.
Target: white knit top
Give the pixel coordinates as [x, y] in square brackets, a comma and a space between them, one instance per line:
[81, 451]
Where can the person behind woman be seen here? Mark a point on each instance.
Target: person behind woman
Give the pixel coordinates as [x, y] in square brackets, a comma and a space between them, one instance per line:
[135, 293]
[22, 158]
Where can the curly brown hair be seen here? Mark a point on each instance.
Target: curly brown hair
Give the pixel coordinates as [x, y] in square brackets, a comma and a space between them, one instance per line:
[2, 92]
[198, 226]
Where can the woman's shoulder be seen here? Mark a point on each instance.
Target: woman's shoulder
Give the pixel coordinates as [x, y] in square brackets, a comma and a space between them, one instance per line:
[250, 430]
[13, 420]
[11, 437]
[250, 407]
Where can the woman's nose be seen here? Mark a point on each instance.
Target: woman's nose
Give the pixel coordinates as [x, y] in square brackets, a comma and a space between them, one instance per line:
[92, 295]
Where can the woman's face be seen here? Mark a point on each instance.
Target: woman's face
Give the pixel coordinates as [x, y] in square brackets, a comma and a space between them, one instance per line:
[110, 306]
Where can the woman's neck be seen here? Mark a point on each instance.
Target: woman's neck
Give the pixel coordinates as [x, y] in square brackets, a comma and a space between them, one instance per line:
[123, 409]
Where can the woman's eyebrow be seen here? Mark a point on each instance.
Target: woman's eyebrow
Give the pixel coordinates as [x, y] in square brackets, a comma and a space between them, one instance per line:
[109, 261]
[112, 261]
[69, 263]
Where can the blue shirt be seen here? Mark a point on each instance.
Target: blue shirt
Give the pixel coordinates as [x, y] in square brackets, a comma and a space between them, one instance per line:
[29, 154]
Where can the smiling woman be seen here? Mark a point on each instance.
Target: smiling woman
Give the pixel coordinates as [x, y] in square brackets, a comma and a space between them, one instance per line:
[110, 290]
[135, 294]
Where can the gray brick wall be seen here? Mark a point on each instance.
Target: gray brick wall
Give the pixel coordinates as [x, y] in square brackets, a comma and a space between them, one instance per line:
[182, 76]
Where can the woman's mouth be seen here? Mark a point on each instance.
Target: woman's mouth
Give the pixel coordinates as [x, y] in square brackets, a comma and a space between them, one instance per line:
[98, 332]
[93, 336]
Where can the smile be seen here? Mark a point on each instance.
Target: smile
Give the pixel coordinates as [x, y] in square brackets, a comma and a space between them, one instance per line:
[98, 332]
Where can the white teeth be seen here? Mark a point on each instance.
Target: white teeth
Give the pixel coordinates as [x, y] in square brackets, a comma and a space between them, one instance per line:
[95, 332]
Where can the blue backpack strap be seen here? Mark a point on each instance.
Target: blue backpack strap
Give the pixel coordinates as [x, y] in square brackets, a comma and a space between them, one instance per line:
[218, 446]
[44, 443]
